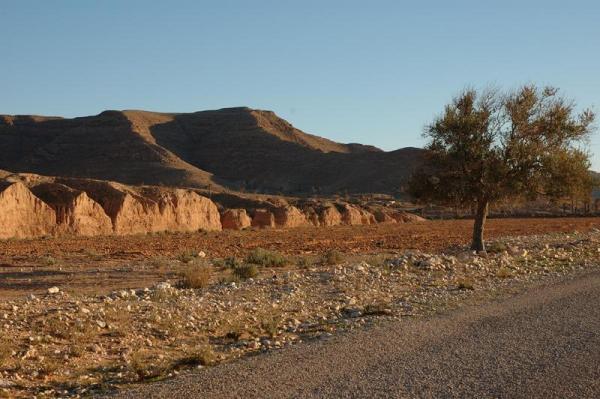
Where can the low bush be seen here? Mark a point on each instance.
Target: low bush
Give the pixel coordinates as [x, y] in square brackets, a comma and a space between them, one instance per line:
[196, 276]
[202, 355]
[332, 257]
[466, 284]
[244, 272]
[264, 257]
[496, 247]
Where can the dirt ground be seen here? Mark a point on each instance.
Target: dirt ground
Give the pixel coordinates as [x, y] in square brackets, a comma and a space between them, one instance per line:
[103, 264]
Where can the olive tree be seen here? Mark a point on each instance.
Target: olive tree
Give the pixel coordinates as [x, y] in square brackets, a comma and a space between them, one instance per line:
[488, 146]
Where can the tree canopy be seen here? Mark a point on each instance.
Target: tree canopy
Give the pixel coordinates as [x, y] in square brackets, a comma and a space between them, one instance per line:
[488, 146]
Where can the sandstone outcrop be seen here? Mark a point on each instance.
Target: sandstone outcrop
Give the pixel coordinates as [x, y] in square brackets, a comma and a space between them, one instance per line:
[76, 213]
[22, 214]
[382, 216]
[129, 212]
[330, 216]
[289, 216]
[263, 218]
[183, 210]
[354, 215]
[405, 217]
[235, 219]
[312, 217]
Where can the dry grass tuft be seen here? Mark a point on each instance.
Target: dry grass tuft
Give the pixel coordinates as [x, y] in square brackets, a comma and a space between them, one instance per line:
[466, 284]
[504, 272]
[332, 257]
[147, 366]
[202, 355]
[196, 276]
[5, 352]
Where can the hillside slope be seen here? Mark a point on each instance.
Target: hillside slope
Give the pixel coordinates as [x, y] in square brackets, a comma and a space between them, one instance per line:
[236, 148]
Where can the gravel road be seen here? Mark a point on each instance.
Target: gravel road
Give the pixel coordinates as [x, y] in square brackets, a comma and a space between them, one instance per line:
[543, 343]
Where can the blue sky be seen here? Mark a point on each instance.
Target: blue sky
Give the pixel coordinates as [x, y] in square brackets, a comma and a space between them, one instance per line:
[354, 71]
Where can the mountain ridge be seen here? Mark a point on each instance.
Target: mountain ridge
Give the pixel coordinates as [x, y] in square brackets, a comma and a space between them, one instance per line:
[237, 148]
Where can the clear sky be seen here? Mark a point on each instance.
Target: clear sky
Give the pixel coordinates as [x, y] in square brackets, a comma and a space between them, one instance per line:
[354, 71]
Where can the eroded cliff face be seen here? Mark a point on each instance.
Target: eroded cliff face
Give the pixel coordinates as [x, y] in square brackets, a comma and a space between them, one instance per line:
[330, 216]
[235, 219]
[183, 210]
[35, 206]
[353, 215]
[263, 218]
[91, 207]
[289, 216]
[76, 213]
[22, 214]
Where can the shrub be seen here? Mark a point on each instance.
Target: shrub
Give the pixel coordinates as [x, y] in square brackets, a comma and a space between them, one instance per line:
[244, 272]
[496, 247]
[304, 263]
[202, 355]
[270, 325]
[466, 284]
[188, 256]
[49, 261]
[332, 257]
[196, 276]
[504, 272]
[5, 351]
[146, 366]
[232, 262]
[263, 257]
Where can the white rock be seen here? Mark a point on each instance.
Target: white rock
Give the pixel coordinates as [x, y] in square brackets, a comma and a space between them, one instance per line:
[53, 290]
[163, 286]
[6, 383]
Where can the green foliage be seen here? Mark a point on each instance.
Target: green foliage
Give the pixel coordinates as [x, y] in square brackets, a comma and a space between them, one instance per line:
[263, 257]
[490, 146]
[244, 272]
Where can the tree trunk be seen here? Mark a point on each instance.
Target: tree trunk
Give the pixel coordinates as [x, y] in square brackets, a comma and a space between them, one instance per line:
[482, 210]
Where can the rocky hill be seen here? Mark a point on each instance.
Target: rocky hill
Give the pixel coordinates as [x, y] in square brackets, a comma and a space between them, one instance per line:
[235, 148]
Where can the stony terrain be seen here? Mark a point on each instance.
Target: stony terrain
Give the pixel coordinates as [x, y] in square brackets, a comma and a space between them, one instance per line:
[96, 264]
[236, 148]
[212, 309]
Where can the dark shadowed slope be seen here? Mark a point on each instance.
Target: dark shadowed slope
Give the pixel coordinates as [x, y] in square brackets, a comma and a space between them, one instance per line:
[106, 146]
[239, 148]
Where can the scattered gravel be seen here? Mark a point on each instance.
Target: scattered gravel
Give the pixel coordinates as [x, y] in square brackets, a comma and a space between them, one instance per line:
[59, 345]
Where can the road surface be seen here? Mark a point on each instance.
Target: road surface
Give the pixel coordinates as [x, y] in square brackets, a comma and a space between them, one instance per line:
[543, 343]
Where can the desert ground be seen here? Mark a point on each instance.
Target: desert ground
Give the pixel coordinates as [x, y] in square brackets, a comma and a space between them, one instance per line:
[98, 316]
[97, 265]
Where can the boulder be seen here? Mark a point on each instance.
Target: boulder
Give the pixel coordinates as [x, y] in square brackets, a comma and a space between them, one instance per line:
[235, 219]
[289, 216]
[22, 214]
[76, 213]
[263, 218]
